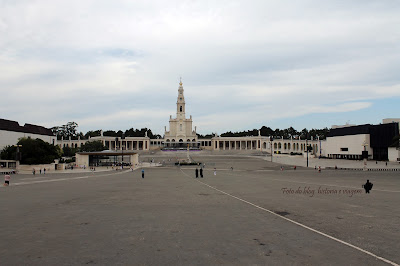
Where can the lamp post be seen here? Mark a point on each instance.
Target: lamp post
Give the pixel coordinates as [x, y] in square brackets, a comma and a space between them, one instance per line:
[271, 139]
[122, 148]
[364, 154]
[307, 147]
[18, 154]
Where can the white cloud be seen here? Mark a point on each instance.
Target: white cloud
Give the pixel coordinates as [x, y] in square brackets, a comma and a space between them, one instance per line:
[93, 61]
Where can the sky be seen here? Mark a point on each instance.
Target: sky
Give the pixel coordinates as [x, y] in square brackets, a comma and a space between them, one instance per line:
[244, 64]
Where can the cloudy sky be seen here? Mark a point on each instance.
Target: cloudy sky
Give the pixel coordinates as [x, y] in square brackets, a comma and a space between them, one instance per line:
[244, 64]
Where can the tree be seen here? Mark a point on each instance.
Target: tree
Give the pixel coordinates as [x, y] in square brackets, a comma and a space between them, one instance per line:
[96, 145]
[69, 152]
[395, 141]
[92, 134]
[33, 151]
[66, 131]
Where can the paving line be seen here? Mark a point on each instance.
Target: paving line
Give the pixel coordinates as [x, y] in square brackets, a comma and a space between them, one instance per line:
[299, 224]
[62, 179]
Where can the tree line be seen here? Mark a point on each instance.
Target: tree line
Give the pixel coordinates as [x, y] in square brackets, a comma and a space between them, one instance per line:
[37, 151]
[69, 130]
[277, 133]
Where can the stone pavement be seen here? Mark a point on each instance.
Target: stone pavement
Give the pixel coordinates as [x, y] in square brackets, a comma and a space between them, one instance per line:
[254, 214]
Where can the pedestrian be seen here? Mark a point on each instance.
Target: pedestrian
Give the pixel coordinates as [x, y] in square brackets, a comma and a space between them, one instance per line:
[215, 171]
[40, 171]
[7, 180]
[142, 173]
[294, 167]
[319, 169]
[33, 171]
[201, 172]
[197, 172]
[367, 186]
[386, 163]
[44, 171]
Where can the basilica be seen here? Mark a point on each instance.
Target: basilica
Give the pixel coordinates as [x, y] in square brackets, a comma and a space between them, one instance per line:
[181, 133]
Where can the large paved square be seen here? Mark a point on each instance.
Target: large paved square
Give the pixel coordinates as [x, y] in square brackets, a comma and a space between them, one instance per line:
[255, 214]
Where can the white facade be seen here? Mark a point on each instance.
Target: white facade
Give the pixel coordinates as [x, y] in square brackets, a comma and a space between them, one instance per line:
[180, 128]
[394, 154]
[9, 138]
[112, 143]
[349, 146]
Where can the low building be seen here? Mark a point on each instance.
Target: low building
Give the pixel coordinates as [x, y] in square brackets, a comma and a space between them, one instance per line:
[11, 132]
[106, 158]
[349, 142]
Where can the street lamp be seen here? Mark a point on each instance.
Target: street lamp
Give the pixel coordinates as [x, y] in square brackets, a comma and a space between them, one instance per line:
[18, 154]
[122, 148]
[365, 154]
[271, 139]
[307, 147]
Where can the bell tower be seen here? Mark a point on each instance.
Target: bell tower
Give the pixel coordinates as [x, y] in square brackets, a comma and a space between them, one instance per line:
[180, 103]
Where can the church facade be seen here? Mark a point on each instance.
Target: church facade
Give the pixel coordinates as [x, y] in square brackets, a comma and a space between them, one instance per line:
[180, 133]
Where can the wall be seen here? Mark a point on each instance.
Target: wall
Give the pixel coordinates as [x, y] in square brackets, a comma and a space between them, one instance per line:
[393, 154]
[354, 144]
[37, 167]
[11, 138]
[82, 160]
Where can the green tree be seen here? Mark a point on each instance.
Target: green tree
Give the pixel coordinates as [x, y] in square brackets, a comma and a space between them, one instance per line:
[66, 131]
[69, 152]
[33, 151]
[96, 145]
[92, 134]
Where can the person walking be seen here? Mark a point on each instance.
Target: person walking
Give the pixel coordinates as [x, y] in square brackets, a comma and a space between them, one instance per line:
[201, 172]
[44, 171]
[40, 171]
[197, 172]
[142, 173]
[367, 186]
[7, 180]
[33, 171]
[215, 171]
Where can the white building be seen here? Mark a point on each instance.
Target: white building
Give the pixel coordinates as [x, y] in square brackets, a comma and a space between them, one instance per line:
[349, 142]
[180, 132]
[11, 132]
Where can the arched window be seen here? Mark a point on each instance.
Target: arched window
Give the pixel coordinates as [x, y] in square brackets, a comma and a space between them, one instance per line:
[188, 140]
[193, 140]
[288, 146]
[181, 108]
[285, 146]
[279, 145]
[275, 145]
[180, 126]
[167, 140]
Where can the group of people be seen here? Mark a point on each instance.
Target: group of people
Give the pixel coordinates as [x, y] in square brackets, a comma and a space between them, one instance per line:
[40, 171]
[197, 172]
